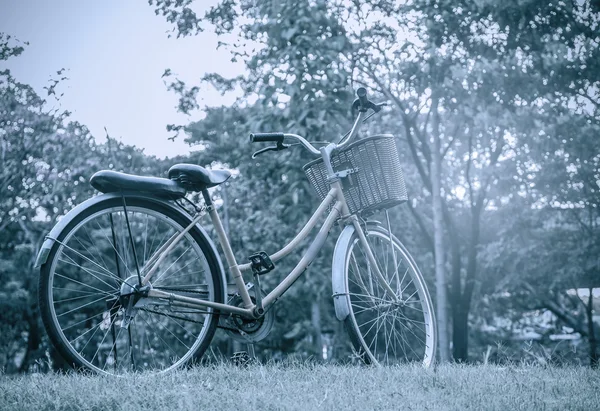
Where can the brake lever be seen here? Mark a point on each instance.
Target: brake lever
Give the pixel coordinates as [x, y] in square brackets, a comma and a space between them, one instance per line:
[278, 147]
[384, 103]
[376, 109]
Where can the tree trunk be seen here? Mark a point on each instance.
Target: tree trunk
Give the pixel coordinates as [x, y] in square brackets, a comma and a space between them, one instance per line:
[58, 363]
[34, 340]
[316, 323]
[438, 231]
[461, 302]
[594, 360]
[460, 333]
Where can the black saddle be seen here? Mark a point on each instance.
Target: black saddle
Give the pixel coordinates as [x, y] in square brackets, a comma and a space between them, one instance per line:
[108, 181]
[196, 178]
[182, 178]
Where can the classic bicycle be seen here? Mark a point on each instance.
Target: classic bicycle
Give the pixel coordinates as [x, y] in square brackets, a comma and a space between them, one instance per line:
[130, 281]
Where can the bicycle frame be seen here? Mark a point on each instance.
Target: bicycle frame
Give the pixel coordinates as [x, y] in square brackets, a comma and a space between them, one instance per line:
[339, 209]
[237, 269]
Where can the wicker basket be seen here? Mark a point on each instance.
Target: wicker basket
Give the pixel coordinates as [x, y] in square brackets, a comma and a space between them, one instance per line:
[377, 181]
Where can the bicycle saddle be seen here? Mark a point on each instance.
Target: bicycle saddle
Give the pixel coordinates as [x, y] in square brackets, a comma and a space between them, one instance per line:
[196, 178]
[108, 181]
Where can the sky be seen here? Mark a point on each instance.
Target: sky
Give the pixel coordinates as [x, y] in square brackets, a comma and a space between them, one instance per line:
[115, 53]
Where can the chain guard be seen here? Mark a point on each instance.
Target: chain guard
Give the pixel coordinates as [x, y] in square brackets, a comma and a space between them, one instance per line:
[248, 330]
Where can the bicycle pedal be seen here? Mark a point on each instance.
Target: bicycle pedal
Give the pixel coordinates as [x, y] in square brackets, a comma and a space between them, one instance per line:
[261, 263]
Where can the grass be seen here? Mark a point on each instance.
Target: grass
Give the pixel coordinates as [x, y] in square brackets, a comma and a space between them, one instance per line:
[311, 387]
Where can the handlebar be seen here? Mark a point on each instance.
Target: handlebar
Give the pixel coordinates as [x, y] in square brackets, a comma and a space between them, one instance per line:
[266, 137]
[362, 102]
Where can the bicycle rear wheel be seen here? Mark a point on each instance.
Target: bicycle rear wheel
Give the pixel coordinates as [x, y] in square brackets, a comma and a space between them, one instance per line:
[91, 264]
[384, 331]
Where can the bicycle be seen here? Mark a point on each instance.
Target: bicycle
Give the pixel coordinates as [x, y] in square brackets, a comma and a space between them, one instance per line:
[130, 281]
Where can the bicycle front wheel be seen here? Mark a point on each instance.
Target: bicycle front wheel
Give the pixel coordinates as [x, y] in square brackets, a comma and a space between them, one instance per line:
[95, 261]
[388, 329]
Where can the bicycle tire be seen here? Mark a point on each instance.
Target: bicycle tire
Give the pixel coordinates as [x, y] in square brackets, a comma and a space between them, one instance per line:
[92, 257]
[381, 331]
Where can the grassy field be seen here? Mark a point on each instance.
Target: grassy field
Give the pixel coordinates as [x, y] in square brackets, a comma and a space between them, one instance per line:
[312, 387]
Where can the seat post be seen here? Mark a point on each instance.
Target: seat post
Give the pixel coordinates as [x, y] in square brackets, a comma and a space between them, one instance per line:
[207, 199]
[233, 266]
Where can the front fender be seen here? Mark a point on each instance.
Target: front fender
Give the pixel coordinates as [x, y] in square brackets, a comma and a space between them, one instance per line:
[51, 237]
[341, 299]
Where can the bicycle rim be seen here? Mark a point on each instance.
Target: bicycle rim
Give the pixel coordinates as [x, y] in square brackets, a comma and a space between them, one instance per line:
[84, 283]
[384, 331]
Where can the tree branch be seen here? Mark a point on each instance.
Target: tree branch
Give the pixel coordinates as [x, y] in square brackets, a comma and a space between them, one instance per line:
[557, 310]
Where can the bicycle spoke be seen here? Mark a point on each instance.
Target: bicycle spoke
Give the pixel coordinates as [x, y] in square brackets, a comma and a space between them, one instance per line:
[85, 285]
[73, 263]
[153, 251]
[86, 249]
[168, 346]
[81, 306]
[74, 298]
[103, 338]
[113, 244]
[408, 328]
[85, 258]
[99, 253]
[396, 340]
[82, 321]
[114, 346]
[145, 239]
[171, 277]
[174, 262]
[412, 308]
[151, 349]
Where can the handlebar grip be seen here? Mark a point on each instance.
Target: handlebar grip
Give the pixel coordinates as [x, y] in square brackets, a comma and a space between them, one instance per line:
[361, 93]
[266, 137]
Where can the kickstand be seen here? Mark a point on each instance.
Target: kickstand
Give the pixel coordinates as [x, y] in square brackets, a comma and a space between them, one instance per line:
[251, 352]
